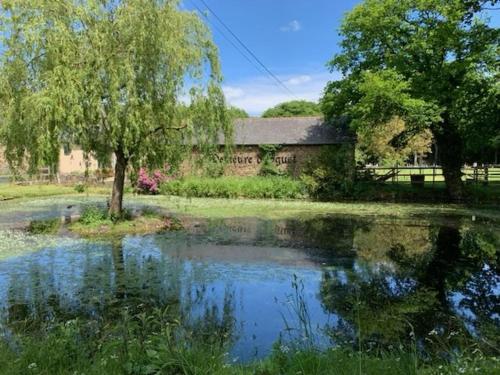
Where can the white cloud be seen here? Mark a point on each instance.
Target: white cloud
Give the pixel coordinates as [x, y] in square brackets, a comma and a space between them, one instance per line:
[257, 94]
[298, 80]
[292, 26]
[233, 92]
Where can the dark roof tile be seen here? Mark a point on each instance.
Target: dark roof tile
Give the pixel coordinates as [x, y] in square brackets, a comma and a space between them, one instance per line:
[289, 131]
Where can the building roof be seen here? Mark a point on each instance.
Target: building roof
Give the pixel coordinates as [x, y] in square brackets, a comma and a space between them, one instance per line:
[289, 131]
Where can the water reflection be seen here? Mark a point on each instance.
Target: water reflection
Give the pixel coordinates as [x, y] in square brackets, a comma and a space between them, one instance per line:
[247, 283]
[450, 290]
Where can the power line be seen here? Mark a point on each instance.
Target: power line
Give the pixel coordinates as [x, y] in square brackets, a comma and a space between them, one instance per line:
[228, 39]
[280, 83]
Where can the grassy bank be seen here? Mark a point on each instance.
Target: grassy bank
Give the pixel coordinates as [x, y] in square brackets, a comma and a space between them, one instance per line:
[95, 222]
[263, 208]
[279, 188]
[430, 193]
[281, 209]
[157, 343]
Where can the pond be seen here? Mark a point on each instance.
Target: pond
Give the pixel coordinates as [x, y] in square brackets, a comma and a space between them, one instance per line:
[323, 281]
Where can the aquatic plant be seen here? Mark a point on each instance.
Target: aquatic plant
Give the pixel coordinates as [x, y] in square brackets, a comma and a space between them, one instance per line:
[15, 242]
[48, 226]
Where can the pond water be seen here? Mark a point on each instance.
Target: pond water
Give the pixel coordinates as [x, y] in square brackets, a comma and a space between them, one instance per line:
[321, 281]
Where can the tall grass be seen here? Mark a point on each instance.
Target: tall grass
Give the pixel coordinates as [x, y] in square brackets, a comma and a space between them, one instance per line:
[156, 344]
[235, 187]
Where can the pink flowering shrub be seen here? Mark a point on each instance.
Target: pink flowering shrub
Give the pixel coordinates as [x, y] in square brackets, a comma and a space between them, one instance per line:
[149, 183]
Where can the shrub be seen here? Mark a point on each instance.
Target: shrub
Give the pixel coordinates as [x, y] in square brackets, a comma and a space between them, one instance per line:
[235, 187]
[330, 175]
[92, 215]
[268, 166]
[49, 226]
[149, 183]
[80, 187]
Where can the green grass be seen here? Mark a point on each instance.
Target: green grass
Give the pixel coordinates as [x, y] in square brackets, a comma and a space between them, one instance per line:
[263, 208]
[405, 192]
[49, 226]
[12, 191]
[108, 228]
[95, 222]
[269, 188]
[280, 209]
[236, 187]
[494, 174]
[157, 343]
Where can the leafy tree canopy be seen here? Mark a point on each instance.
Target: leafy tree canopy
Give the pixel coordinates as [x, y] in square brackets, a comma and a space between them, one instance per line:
[108, 76]
[236, 112]
[293, 108]
[376, 144]
[432, 63]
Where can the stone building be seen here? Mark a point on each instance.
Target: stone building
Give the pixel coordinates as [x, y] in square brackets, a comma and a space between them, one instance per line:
[70, 163]
[297, 142]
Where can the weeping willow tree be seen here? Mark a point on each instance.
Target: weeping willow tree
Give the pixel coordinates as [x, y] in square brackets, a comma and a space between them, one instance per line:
[109, 76]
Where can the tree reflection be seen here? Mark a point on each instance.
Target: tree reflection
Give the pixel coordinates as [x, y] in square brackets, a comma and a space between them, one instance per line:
[115, 287]
[450, 290]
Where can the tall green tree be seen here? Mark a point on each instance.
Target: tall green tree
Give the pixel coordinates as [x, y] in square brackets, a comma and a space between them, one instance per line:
[432, 63]
[236, 112]
[293, 108]
[108, 76]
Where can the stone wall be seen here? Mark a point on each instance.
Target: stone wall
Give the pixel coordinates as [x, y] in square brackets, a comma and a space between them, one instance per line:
[69, 163]
[247, 160]
[75, 163]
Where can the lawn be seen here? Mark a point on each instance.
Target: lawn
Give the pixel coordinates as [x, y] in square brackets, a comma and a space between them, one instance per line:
[433, 175]
[11, 191]
[12, 195]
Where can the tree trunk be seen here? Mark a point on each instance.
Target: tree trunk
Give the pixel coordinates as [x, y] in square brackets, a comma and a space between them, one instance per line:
[440, 269]
[116, 204]
[450, 147]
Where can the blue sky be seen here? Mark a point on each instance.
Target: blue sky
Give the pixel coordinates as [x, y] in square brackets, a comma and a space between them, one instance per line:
[293, 38]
